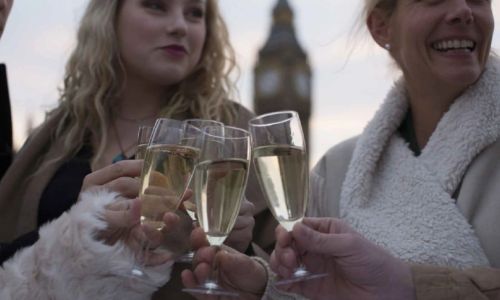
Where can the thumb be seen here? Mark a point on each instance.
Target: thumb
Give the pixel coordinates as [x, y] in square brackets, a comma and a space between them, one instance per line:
[330, 244]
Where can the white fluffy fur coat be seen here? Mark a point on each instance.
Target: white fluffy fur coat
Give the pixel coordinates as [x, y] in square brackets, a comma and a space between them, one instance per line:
[403, 202]
[67, 262]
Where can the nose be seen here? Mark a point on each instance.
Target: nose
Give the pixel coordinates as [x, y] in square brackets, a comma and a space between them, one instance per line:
[460, 12]
[176, 23]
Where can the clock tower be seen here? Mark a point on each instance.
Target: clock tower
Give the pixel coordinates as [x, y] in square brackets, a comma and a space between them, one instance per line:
[282, 75]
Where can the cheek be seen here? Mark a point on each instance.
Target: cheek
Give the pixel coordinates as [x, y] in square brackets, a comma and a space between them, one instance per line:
[198, 42]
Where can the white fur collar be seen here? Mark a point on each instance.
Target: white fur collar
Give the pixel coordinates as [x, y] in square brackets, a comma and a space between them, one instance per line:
[387, 190]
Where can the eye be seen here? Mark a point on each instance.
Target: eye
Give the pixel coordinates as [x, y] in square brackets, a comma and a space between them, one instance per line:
[431, 2]
[154, 5]
[480, 1]
[196, 13]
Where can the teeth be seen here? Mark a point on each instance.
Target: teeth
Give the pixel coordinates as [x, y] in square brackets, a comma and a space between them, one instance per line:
[454, 44]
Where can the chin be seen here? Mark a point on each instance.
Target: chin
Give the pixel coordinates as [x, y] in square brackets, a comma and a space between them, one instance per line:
[172, 75]
[464, 76]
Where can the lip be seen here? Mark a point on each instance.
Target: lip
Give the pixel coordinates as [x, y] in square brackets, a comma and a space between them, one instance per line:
[175, 50]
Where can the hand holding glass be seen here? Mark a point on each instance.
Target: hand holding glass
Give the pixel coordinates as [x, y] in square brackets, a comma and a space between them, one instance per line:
[220, 180]
[168, 166]
[280, 160]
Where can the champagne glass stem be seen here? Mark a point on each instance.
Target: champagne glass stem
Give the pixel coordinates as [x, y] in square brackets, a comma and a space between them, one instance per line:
[212, 280]
[301, 269]
[300, 273]
[140, 260]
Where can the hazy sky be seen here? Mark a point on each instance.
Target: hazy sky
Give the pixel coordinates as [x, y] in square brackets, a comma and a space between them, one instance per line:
[347, 89]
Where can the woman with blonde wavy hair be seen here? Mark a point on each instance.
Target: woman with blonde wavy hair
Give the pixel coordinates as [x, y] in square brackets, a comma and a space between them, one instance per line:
[134, 61]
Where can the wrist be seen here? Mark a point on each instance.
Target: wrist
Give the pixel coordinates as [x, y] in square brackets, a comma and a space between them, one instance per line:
[265, 281]
[401, 282]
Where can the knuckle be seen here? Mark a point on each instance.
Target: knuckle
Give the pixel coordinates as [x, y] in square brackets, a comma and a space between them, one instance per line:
[351, 241]
[87, 181]
[115, 186]
[118, 169]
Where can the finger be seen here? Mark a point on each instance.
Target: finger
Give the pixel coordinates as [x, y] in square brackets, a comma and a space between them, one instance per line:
[171, 220]
[243, 222]
[202, 271]
[277, 266]
[331, 244]
[124, 218]
[159, 191]
[327, 225]
[198, 238]
[125, 186]
[204, 255]
[122, 204]
[240, 272]
[188, 279]
[124, 168]
[247, 208]
[192, 279]
[187, 195]
[189, 206]
[283, 237]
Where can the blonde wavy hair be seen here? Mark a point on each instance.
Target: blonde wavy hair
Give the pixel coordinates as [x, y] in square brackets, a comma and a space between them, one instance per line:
[94, 78]
[385, 5]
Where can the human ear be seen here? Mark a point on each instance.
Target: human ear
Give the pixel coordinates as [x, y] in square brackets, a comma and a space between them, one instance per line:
[378, 24]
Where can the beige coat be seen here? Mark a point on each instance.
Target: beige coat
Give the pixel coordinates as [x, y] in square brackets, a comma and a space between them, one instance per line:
[464, 153]
[479, 201]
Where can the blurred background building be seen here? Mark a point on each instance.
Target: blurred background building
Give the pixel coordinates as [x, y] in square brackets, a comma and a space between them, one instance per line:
[282, 75]
[321, 60]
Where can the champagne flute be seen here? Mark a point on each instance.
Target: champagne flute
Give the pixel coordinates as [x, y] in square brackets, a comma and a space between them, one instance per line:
[190, 138]
[220, 180]
[143, 136]
[280, 160]
[199, 124]
[168, 166]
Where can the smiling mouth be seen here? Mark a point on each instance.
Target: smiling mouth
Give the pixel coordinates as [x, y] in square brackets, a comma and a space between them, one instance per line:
[448, 45]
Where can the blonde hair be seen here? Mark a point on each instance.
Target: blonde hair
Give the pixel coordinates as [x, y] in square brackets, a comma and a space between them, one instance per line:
[94, 79]
[385, 5]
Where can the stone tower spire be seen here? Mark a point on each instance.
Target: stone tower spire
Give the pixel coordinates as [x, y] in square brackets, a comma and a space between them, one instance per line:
[282, 75]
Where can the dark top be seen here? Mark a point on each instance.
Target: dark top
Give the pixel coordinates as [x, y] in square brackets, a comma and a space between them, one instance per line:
[407, 132]
[5, 123]
[62, 191]
[59, 195]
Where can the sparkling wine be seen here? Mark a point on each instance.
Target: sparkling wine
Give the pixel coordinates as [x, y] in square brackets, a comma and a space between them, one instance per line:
[219, 188]
[166, 172]
[282, 174]
[140, 153]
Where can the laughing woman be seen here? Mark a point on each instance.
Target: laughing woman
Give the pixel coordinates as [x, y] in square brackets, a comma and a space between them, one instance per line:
[423, 179]
[135, 60]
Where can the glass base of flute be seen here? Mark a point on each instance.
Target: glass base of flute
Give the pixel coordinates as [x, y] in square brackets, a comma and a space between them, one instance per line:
[300, 273]
[161, 243]
[281, 164]
[151, 251]
[211, 287]
[220, 180]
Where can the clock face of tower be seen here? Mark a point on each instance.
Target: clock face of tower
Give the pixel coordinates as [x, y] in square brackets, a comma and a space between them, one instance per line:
[302, 84]
[268, 82]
